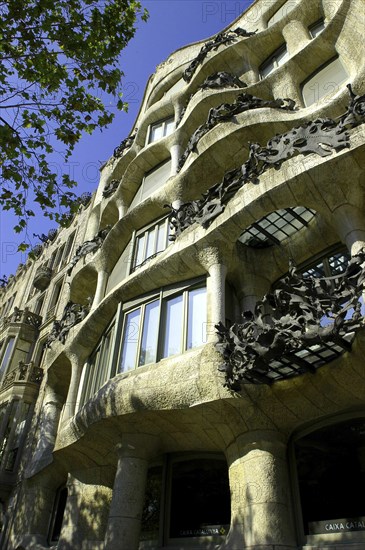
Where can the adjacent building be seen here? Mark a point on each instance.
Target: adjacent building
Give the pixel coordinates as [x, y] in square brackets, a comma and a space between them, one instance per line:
[182, 367]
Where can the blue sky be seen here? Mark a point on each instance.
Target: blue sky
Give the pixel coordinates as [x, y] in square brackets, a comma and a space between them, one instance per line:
[171, 25]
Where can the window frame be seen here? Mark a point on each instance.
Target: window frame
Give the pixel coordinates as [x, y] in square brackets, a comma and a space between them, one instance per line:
[318, 71]
[162, 122]
[162, 295]
[95, 371]
[273, 60]
[4, 366]
[140, 190]
[143, 231]
[167, 463]
[320, 23]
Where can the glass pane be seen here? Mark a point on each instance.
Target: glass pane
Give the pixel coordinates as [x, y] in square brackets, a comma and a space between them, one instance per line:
[197, 318]
[152, 505]
[156, 132]
[150, 245]
[7, 354]
[130, 341]
[161, 237]
[282, 57]
[169, 126]
[138, 255]
[172, 326]
[324, 82]
[200, 498]
[267, 69]
[316, 29]
[150, 333]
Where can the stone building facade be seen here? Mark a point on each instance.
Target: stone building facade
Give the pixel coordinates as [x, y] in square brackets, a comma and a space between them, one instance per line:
[183, 366]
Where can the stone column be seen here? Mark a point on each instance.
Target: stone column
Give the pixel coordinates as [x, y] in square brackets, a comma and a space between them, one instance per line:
[175, 152]
[124, 523]
[216, 298]
[261, 516]
[100, 288]
[122, 208]
[350, 225]
[49, 420]
[253, 288]
[77, 363]
[296, 36]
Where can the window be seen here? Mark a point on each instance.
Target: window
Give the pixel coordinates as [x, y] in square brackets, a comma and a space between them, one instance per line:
[54, 300]
[316, 28]
[286, 8]
[161, 129]
[149, 242]
[276, 227]
[167, 324]
[69, 245]
[152, 181]
[326, 80]
[14, 433]
[186, 498]
[277, 59]
[58, 513]
[179, 85]
[98, 369]
[6, 356]
[330, 469]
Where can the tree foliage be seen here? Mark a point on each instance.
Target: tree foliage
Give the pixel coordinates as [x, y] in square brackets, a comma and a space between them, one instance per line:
[57, 57]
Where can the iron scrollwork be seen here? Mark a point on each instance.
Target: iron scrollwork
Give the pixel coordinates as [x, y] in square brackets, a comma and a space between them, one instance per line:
[125, 144]
[321, 136]
[88, 247]
[301, 312]
[226, 111]
[72, 315]
[221, 39]
[110, 188]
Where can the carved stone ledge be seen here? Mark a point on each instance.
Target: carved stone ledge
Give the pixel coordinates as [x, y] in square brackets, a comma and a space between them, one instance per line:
[24, 372]
[42, 278]
[301, 315]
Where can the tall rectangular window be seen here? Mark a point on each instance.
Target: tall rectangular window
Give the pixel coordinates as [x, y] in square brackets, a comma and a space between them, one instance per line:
[150, 241]
[98, 367]
[153, 180]
[6, 356]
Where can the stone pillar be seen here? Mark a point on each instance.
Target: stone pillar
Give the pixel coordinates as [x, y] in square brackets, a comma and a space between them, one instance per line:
[49, 420]
[77, 363]
[175, 152]
[350, 225]
[100, 288]
[216, 298]
[254, 287]
[122, 208]
[124, 523]
[296, 36]
[261, 506]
